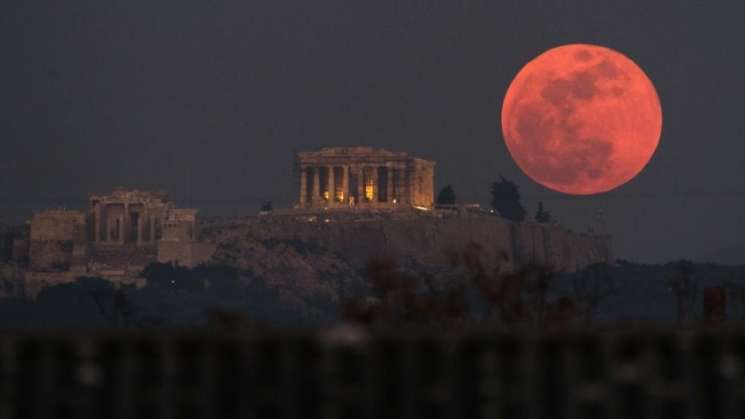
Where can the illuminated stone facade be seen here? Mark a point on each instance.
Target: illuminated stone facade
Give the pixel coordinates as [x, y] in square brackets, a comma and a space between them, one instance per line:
[149, 222]
[122, 231]
[128, 217]
[363, 178]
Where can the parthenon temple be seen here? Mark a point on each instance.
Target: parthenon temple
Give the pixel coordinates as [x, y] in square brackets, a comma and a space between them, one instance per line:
[363, 177]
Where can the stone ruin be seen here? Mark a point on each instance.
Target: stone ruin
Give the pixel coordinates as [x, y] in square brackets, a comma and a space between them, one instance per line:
[355, 201]
[121, 233]
[363, 178]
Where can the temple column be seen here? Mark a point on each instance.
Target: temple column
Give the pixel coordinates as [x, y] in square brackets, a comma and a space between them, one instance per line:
[316, 185]
[351, 171]
[375, 182]
[389, 184]
[331, 185]
[360, 184]
[411, 173]
[140, 230]
[109, 227]
[345, 185]
[124, 227]
[153, 237]
[97, 223]
[145, 219]
[402, 185]
[303, 186]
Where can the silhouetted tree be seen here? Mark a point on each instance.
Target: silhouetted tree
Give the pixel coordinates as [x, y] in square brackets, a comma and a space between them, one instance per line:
[505, 199]
[591, 286]
[112, 303]
[87, 302]
[267, 207]
[736, 286]
[446, 196]
[684, 286]
[541, 215]
[477, 294]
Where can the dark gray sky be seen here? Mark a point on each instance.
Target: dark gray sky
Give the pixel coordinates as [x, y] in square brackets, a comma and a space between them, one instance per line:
[210, 99]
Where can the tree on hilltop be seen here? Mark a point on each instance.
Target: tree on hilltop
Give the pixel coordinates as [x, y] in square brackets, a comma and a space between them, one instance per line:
[505, 199]
[542, 215]
[446, 196]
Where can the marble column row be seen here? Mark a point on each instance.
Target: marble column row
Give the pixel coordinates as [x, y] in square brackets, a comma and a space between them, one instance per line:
[116, 229]
[310, 178]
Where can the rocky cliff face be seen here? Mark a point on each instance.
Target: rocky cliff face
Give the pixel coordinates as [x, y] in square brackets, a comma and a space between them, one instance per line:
[304, 273]
[320, 255]
[554, 246]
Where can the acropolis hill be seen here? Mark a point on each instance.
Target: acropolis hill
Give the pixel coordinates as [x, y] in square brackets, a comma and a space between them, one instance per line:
[353, 203]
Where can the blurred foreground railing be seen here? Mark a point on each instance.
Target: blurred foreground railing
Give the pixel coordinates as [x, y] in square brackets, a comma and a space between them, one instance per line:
[350, 375]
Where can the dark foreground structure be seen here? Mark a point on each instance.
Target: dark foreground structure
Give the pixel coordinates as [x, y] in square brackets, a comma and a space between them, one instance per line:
[351, 375]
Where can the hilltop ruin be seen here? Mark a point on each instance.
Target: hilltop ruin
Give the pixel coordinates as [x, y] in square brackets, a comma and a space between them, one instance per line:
[353, 203]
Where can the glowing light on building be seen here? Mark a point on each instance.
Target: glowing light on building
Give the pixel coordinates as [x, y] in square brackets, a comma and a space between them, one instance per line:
[333, 177]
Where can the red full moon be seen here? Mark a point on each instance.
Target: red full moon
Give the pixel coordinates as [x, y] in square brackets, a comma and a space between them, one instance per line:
[581, 119]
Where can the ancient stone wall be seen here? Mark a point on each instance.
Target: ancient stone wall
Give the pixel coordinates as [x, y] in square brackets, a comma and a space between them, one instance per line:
[180, 240]
[430, 238]
[558, 247]
[185, 253]
[56, 236]
[423, 188]
[119, 233]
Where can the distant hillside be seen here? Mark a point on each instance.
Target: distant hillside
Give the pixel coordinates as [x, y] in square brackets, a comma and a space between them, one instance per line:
[645, 293]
